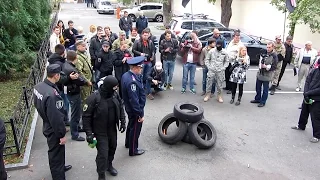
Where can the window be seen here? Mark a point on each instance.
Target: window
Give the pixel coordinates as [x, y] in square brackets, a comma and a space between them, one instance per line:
[215, 24]
[186, 25]
[245, 38]
[145, 8]
[157, 7]
[106, 3]
[200, 25]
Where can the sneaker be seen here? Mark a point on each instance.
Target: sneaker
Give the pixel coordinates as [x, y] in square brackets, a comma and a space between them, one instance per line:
[231, 101]
[79, 138]
[193, 91]
[297, 128]
[298, 89]
[183, 90]
[207, 97]
[170, 86]
[261, 105]
[150, 97]
[165, 87]
[238, 102]
[255, 101]
[314, 140]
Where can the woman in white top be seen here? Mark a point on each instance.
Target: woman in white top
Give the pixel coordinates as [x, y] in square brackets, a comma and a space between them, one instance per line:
[91, 33]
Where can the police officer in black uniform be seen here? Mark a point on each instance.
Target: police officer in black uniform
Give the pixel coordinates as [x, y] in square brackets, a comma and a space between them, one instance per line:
[101, 114]
[49, 105]
[134, 98]
[3, 173]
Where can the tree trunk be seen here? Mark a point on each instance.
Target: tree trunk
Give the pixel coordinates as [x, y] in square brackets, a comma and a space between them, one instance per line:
[167, 12]
[226, 12]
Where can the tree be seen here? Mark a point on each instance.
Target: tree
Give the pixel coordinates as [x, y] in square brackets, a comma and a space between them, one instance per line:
[307, 12]
[226, 11]
[167, 15]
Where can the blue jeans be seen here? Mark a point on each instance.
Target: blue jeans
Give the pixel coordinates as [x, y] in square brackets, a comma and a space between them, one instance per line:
[75, 103]
[168, 67]
[128, 33]
[186, 68]
[204, 81]
[146, 69]
[265, 92]
[66, 104]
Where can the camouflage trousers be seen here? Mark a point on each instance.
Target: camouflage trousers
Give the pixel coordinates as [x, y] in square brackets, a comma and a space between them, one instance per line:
[215, 76]
[276, 74]
[85, 93]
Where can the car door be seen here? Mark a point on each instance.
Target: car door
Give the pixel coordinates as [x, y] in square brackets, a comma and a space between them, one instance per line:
[253, 47]
[146, 10]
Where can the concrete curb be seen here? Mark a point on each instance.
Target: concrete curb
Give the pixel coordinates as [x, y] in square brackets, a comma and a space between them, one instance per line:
[26, 156]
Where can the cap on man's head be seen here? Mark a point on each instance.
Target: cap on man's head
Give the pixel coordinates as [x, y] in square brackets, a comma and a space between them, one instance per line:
[278, 37]
[308, 43]
[106, 43]
[135, 61]
[54, 69]
[158, 65]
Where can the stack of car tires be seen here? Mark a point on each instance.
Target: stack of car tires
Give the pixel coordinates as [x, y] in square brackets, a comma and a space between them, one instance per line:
[192, 127]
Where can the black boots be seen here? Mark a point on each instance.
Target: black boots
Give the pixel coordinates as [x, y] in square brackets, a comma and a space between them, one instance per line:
[238, 101]
[272, 89]
[102, 176]
[112, 170]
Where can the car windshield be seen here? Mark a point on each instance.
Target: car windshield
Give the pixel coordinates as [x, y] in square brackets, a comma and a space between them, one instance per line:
[106, 3]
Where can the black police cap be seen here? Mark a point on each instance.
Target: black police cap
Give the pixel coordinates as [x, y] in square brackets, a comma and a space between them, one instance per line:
[54, 69]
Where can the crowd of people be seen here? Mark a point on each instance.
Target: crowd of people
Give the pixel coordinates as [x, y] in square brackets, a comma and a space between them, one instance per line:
[103, 74]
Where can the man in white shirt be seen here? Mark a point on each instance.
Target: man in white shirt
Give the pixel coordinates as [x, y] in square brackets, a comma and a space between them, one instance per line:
[54, 38]
[304, 61]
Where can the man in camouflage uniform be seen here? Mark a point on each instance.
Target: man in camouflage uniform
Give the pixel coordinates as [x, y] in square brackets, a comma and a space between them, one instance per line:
[280, 50]
[122, 38]
[84, 67]
[217, 61]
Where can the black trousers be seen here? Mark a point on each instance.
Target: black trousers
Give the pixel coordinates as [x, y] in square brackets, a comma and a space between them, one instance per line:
[56, 154]
[133, 133]
[234, 89]
[315, 118]
[283, 68]
[227, 75]
[3, 173]
[106, 149]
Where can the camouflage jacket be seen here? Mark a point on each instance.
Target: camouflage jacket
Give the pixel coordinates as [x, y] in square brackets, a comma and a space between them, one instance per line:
[217, 60]
[84, 66]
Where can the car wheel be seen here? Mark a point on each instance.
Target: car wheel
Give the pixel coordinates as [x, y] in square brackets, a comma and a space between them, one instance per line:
[201, 133]
[188, 112]
[175, 136]
[159, 18]
[133, 17]
[210, 138]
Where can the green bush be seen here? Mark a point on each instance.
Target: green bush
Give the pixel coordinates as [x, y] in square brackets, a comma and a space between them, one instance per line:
[23, 25]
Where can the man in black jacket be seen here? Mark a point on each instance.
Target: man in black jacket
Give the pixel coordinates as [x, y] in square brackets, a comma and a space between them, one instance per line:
[144, 47]
[125, 24]
[288, 57]
[69, 35]
[3, 173]
[168, 48]
[164, 34]
[74, 91]
[101, 115]
[120, 58]
[49, 105]
[95, 46]
[104, 63]
[110, 36]
[155, 80]
[311, 104]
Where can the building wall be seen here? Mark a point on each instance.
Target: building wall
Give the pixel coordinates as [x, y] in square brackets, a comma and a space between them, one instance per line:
[256, 17]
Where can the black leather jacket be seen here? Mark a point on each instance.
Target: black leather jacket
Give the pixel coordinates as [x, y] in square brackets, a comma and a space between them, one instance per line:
[73, 85]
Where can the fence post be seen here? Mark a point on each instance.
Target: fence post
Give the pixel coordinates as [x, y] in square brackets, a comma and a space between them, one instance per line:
[25, 96]
[33, 76]
[15, 136]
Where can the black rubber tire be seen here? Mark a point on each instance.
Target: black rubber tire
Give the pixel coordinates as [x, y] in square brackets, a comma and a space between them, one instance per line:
[194, 115]
[175, 137]
[186, 137]
[211, 134]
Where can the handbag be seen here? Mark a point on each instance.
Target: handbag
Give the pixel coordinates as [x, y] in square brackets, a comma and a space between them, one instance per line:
[236, 64]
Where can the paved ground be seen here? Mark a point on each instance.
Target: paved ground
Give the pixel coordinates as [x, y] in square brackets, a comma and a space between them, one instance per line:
[252, 143]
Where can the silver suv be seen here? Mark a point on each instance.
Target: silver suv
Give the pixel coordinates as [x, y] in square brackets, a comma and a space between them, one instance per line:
[152, 11]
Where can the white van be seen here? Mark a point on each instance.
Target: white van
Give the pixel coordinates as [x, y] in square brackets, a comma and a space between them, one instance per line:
[105, 7]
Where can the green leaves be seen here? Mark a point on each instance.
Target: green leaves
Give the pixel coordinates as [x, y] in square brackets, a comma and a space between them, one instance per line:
[306, 12]
[23, 27]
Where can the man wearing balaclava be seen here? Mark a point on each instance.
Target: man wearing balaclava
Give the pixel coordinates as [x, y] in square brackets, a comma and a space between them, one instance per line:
[217, 61]
[101, 115]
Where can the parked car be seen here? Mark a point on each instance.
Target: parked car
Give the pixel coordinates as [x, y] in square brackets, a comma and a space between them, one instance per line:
[105, 7]
[153, 11]
[181, 24]
[254, 46]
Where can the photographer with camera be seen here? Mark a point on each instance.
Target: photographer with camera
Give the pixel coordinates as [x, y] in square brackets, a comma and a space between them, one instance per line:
[144, 47]
[268, 64]
[191, 50]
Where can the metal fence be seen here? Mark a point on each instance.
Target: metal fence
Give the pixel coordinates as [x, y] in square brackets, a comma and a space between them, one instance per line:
[18, 124]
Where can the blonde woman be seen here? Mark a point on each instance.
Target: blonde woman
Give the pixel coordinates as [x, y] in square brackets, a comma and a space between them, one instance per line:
[238, 73]
[91, 33]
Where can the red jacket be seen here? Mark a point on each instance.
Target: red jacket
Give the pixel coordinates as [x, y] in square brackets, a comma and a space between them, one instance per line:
[196, 49]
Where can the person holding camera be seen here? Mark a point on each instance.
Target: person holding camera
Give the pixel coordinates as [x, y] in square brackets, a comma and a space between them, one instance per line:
[268, 64]
[238, 73]
[191, 50]
[280, 50]
[144, 47]
[102, 114]
[156, 78]
[216, 61]
[168, 48]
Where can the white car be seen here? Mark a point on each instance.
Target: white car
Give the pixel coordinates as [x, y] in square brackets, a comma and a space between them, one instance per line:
[181, 24]
[153, 11]
[105, 7]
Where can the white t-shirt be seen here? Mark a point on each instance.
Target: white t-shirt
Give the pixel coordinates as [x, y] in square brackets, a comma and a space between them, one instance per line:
[54, 40]
[190, 57]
